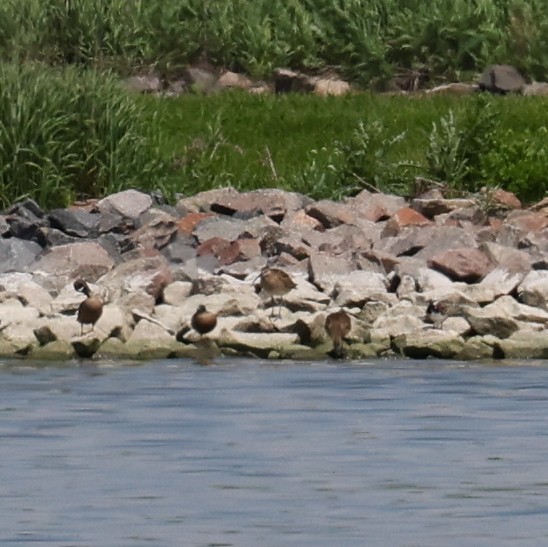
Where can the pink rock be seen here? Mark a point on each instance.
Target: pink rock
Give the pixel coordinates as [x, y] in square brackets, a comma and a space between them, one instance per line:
[375, 207]
[330, 213]
[464, 264]
[187, 224]
[401, 219]
[507, 199]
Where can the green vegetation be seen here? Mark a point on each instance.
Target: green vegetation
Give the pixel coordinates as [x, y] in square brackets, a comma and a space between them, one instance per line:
[69, 133]
[368, 41]
[68, 130]
[333, 147]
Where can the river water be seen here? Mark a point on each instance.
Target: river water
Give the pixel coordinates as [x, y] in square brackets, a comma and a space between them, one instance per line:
[256, 453]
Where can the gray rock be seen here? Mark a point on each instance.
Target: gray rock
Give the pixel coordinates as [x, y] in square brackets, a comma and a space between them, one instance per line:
[16, 254]
[501, 79]
[75, 222]
[86, 259]
[128, 203]
[523, 345]
[421, 344]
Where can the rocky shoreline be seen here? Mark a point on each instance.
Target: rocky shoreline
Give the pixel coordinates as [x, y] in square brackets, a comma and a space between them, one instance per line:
[480, 262]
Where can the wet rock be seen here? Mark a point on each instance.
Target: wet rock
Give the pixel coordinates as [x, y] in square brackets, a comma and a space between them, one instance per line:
[86, 347]
[523, 345]
[421, 344]
[477, 348]
[58, 351]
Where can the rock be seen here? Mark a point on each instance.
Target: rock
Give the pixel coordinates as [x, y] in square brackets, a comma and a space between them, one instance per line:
[201, 202]
[375, 207]
[464, 264]
[357, 287]
[201, 80]
[523, 345]
[421, 344]
[148, 275]
[128, 203]
[256, 344]
[432, 207]
[404, 218]
[58, 351]
[456, 89]
[324, 270]
[144, 83]
[539, 89]
[330, 213]
[86, 259]
[325, 87]
[230, 80]
[504, 199]
[491, 320]
[157, 233]
[44, 335]
[16, 255]
[177, 292]
[458, 325]
[501, 79]
[26, 208]
[75, 222]
[520, 312]
[216, 227]
[477, 348]
[533, 290]
[86, 347]
[271, 202]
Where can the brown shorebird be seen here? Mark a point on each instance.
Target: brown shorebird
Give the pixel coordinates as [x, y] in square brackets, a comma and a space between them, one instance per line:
[274, 283]
[90, 309]
[338, 325]
[203, 321]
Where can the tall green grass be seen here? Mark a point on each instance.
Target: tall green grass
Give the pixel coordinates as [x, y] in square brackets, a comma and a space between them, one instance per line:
[368, 41]
[335, 146]
[68, 133]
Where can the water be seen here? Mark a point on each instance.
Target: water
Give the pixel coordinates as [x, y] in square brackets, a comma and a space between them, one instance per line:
[269, 454]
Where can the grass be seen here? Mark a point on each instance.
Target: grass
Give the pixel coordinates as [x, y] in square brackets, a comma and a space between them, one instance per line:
[331, 147]
[368, 41]
[68, 133]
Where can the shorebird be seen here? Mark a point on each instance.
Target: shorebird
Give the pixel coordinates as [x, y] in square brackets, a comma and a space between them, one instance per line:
[90, 309]
[203, 321]
[274, 283]
[338, 325]
[435, 314]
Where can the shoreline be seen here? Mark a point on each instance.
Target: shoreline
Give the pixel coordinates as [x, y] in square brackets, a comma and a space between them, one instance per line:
[382, 260]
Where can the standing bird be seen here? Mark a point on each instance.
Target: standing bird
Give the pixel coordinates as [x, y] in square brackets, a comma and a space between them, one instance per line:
[436, 314]
[338, 325]
[203, 321]
[90, 309]
[276, 282]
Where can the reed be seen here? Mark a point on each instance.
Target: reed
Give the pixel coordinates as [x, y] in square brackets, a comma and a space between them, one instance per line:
[369, 41]
[67, 134]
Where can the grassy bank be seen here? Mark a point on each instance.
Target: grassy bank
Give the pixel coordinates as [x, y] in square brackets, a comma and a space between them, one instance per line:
[67, 133]
[368, 41]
